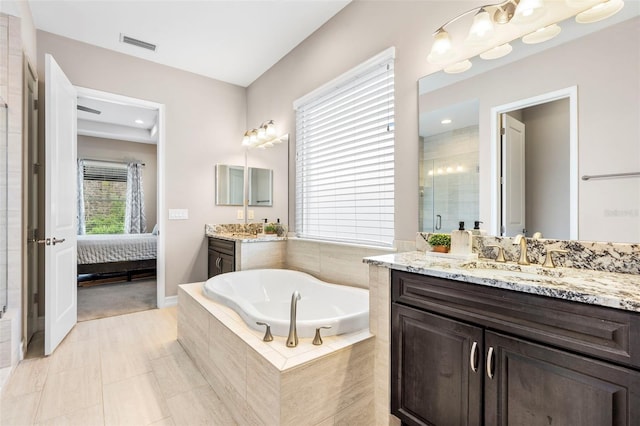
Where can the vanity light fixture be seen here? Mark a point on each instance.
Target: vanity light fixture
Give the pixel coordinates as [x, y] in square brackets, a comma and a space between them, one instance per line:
[520, 13]
[263, 137]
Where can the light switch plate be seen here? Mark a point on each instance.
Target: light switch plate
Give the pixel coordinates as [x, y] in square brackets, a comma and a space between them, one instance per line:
[178, 214]
[250, 214]
[240, 214]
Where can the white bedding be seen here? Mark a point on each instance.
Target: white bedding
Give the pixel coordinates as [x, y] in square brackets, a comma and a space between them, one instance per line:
[116, 248]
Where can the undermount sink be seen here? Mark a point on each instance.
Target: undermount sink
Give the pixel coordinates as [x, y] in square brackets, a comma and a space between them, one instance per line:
[513, 267]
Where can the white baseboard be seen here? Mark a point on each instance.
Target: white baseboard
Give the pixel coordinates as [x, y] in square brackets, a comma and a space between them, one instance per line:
[170, 301]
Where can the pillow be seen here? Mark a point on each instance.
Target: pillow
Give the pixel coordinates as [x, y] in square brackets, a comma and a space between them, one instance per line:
[155, 230]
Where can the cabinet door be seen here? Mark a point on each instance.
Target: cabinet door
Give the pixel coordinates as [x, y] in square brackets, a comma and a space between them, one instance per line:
[227, 263]
[433, 359]
[212, 268]
[538, 385]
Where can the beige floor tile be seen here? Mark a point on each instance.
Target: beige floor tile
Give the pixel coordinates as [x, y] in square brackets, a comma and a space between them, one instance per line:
[69, 391]
[29, 376]
[85, 330]
[167, 421]
[200, 406]
[90, 416]
[177, 374]
[76, 354]
[19, 410]
[123, 363]
[134, 401]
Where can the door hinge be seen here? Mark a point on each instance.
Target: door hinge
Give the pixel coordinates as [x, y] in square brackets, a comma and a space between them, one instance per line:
[36, 298]
[35, 104]
[503, 131]
[35, 168]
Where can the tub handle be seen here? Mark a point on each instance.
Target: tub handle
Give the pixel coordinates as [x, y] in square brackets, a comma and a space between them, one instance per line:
[317, 340]
[268, 337]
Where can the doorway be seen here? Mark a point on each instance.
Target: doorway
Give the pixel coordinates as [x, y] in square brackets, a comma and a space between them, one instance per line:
[547, 169]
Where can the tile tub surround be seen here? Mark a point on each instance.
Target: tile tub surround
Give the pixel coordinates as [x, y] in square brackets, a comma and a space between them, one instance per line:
[268, 383]
[621, 258]
[613, 290]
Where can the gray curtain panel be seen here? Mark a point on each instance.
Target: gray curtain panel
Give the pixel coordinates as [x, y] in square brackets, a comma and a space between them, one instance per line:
[82, 228]
[134, 220]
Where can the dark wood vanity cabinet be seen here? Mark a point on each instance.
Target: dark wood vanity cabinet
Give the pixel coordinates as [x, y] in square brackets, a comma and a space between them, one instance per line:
[464, 354]
[222, 256]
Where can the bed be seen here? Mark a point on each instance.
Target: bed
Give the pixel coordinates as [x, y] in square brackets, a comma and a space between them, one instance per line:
[117, 253]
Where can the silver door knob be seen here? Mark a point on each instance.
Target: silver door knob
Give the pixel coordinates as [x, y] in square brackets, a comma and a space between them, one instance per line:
[55, 241]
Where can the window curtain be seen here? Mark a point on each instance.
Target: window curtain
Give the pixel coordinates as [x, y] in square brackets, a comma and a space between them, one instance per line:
[82, 226]
[134, 219]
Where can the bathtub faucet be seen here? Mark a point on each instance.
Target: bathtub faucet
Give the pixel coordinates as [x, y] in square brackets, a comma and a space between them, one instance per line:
[292, 340]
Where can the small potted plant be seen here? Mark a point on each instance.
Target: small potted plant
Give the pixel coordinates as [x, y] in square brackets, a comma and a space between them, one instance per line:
[440, 242]
[270, 229]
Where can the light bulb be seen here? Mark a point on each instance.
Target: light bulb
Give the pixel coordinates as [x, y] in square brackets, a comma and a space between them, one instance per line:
[262, 133]
[441, 50]
[528, 11]
[253, 138]
[271, 129]
[482, 28]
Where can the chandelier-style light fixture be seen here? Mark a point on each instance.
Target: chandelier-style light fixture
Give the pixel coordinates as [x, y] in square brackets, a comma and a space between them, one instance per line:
[263, 137]
[523, 15]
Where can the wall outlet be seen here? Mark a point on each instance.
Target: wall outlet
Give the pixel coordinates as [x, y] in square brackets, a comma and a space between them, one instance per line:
[250, 214]
[178, 214]
[240, 214]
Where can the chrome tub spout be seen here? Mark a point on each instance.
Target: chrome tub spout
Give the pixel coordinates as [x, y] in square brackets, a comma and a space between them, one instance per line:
[292, 340]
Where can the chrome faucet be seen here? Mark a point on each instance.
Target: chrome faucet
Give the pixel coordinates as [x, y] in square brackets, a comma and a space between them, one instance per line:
[522, 240]
[292, 340]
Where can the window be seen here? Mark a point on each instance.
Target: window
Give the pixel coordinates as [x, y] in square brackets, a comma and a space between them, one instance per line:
[105, 192]
[345, 157]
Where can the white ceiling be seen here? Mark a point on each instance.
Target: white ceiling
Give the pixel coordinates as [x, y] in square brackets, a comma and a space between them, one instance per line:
[232, 41]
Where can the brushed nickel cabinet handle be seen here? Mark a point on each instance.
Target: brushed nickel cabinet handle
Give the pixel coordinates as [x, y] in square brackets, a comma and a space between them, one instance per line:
[472, 357]
[490, 362]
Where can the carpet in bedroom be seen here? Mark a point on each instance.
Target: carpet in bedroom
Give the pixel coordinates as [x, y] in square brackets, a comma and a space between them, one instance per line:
[109, 300]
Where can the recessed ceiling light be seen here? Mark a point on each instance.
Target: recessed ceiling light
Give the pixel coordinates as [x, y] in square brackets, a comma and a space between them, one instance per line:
[138, 121]
[446, 121]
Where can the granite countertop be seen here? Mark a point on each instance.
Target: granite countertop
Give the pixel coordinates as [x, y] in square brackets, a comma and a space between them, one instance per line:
[260, 238]
[613, 290]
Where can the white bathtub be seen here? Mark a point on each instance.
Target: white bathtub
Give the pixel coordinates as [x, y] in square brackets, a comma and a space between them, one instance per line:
[265, 295]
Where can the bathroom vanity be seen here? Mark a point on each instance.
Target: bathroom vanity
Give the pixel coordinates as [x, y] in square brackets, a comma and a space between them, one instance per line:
[461, 353]
[221, 256]
[512, 345]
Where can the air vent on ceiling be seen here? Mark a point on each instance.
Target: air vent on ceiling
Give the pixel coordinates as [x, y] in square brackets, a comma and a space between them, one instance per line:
[139, 43]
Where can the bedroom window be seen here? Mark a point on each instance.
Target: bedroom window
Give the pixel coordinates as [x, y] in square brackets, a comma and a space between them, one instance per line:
[345, 157]
[105, 191]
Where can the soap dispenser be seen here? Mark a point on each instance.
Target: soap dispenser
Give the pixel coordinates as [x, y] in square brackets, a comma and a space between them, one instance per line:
[461, 240]
[476, 229]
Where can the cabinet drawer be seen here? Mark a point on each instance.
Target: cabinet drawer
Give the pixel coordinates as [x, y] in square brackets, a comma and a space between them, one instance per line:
[606, 333]
[222, 246]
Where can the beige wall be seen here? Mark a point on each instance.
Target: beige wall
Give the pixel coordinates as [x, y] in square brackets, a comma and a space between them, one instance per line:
[125, 151]
[21, 9]
[205, 120]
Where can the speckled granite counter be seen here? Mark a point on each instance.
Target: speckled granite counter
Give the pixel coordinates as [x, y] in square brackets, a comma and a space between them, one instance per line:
[240, 233]
[614, 290]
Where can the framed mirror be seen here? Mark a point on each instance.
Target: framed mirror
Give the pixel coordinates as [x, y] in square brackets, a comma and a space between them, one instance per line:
[260, 187]
[229, 185]
[594, 68]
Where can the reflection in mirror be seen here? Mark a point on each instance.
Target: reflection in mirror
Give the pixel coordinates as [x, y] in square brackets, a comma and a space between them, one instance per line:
[449, 167]
[229, 185]
[260, 187]
[603, 67]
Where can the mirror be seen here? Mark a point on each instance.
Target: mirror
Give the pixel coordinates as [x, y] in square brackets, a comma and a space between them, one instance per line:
[3, 206]
[229, 185]
[596, 73]
[260, 187]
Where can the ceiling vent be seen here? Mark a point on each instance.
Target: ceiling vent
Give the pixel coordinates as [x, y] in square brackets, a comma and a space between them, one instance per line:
[139, 43]
[87, 109]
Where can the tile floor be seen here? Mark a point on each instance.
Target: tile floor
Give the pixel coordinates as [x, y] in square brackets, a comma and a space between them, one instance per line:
[122, 370]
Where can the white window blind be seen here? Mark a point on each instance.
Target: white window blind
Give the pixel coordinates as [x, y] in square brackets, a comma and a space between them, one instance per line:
[345, 157]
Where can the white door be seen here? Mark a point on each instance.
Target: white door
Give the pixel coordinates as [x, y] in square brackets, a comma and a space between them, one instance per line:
[60, 205]
[513, 177]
